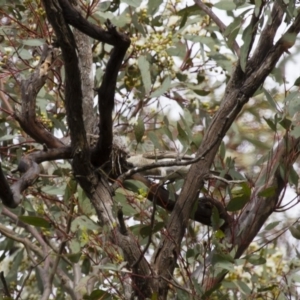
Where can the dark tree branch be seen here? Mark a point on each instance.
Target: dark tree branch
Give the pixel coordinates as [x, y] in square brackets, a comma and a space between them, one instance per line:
[254, 215]
[204, 209]
[6, 194]
[106, 97]
[74, 18]
[29, 90]
[266, 39]
[257, 211]
[254, 24]
[94, 185]
[238, 91]
[28, 166]
[73, 98]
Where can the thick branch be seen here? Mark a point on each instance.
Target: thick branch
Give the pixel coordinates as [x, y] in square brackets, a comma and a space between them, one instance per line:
[106, 97]
[237, 93]
[266, 39]
[257, 211]
[73, 97]
[28, 166]
[74, 18]
[204, 209]
[29, 90]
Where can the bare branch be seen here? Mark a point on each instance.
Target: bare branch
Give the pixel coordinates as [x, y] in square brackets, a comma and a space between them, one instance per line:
[29, 90]
[28, 165]
[204, 209]
[74, 18]
[239, 89]
[266, 39]
[106, 97]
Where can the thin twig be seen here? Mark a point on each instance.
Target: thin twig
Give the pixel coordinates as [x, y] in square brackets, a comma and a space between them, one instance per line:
[24, 282]
[211, 176]
[62, 245]
[151, 231]
[219, 23]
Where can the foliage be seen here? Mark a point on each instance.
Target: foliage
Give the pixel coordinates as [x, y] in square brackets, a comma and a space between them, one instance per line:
[169, 87]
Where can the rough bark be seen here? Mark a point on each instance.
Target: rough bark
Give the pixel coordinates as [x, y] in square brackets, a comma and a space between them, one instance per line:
[88, 165]
[29, 90]
[92, 181]
[238, 91]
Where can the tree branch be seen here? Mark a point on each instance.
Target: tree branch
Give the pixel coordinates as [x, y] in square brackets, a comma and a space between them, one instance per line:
[28, 166]
[74, 18]
[29, 90]
[106, 97]
[219, 23]
[239, 89]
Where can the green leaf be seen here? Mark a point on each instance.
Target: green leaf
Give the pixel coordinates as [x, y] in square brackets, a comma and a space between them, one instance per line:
[191, 10]
[74, 257]
[295, 231]
[297, 82]
[222, 150]
[293, 102]
[243, 287]
[134, 186]
[145, 231]
[225, 5]
[181, 77]
[145, 71]
[179, 49]
[256, 260]
[153, 6]
[7, 137]
[271, 124]
[83, 222]
[270, 99]
[268, 192]
[35, 221]
[33, 42]
[296, 132]
[139, 130]
[121, 200]
[285, 123]
[163, 88]
[182, 136]
[54, 190]
[272, 225]
[183, 20]
[202, 92]
[247, 37]
[133, 3]
[232, 31]
[216, 221]
[71, 189]
[222, 257]
[98, 294]
[237, 203]
[167, 132]
[154, 139]
[293, 177]
[104, 5]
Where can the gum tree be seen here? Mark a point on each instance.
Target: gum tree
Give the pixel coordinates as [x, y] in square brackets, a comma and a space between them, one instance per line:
[104, 195]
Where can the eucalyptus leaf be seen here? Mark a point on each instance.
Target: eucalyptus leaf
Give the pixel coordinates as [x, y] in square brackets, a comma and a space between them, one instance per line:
[163, 88]
[35, 221]
[139, 130]
[145, 71]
